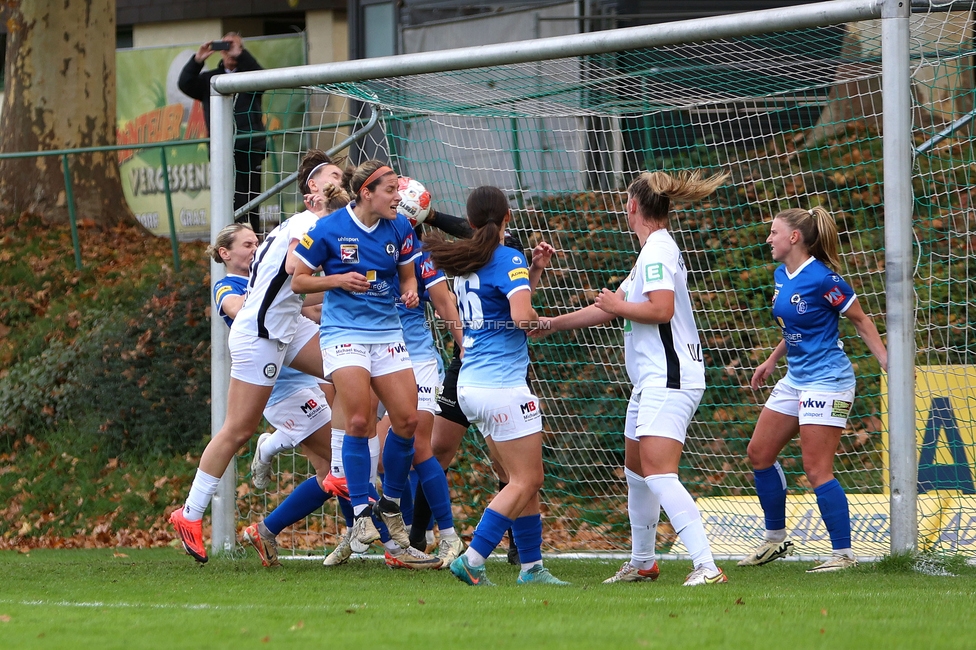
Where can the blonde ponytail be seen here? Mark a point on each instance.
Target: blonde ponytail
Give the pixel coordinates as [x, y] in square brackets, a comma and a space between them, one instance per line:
[655, 191]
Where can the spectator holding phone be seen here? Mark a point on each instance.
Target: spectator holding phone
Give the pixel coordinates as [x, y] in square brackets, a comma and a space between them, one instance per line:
[249, 151]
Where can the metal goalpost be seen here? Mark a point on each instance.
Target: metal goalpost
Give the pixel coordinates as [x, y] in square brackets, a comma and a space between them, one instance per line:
[898, 199]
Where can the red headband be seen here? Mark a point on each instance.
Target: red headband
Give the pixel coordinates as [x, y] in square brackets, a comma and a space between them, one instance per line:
[381, 171]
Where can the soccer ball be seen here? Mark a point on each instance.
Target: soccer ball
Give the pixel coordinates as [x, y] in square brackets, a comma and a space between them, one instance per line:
[414, 200]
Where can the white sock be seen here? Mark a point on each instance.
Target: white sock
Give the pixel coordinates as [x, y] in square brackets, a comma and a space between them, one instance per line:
[528, 565]
[201, 492]
[277, 443]
[358, 510]
[390, 545]
[475, 559]
[396, 500]
[446, 533]
[776, 535]
[337, 468]
[684, 517]
[844, 551]
[374, 459]
[645, 509]
[430, 536]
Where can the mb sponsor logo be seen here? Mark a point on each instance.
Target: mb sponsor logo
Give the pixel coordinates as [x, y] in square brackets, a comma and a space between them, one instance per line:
[530, 410]
[311, 408]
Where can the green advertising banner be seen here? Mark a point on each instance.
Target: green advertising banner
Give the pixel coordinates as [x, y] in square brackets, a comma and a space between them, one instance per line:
[151, 108]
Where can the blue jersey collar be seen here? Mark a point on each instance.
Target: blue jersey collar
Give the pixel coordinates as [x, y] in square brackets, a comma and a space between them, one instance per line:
[360, 224]
[799, 268]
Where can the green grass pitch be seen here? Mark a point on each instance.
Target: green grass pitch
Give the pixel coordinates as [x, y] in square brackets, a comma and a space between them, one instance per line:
[161, 599]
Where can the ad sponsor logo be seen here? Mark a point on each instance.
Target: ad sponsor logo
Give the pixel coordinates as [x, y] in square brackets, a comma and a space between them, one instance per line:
[349, 253]
[835, 297]
[653, 272]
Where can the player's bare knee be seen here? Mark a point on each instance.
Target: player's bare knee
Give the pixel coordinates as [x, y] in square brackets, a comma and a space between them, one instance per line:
[356, 426]
[759, 456]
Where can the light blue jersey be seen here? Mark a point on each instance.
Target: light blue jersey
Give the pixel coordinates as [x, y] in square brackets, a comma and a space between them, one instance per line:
[807, 305]
[416, 331]
[496, 352]
[341, 243]
[289, 381]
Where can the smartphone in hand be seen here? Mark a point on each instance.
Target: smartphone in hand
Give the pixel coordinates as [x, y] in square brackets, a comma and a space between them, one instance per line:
[220, 45]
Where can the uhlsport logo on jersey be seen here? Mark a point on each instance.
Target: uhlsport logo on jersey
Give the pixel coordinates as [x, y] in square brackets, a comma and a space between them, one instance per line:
[835, 296]
[349, 253]
[530, 410]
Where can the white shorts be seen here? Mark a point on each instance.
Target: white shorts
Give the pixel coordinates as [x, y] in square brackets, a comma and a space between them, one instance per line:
[501, 413]
[829, 409]
[429, 385]
[300, 414]
[662, 412]
[258, 361]
[377, 359]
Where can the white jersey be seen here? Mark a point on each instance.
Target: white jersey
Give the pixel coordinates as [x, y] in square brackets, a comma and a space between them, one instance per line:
[667, 355]
[271, 308]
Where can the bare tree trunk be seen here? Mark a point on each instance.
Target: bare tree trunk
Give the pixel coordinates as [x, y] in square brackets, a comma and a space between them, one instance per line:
[60, 94]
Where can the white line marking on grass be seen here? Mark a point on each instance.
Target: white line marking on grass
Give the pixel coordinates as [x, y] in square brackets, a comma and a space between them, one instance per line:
[181, 606]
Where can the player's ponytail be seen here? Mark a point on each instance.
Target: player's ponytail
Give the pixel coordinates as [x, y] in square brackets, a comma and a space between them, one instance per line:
[656, 191]
[487, 207]
[336, 198]
[819, 231]
[225, 239]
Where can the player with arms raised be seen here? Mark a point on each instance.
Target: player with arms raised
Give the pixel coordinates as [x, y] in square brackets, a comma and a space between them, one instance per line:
[816, 395]
[268, 332]
[495, 300]
[664, 362]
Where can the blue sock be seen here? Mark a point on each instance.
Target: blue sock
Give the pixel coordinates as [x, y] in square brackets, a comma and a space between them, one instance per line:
[346, 507]
[771, 489]
[527, 532]
[835, 513]
[489, 532]
[355, 461]
[397, 461]
[303, 501]
[378, 521]
[406, 499]
[435, 489]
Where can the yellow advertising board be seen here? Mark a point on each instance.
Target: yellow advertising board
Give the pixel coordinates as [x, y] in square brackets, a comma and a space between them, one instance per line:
[945, 425]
